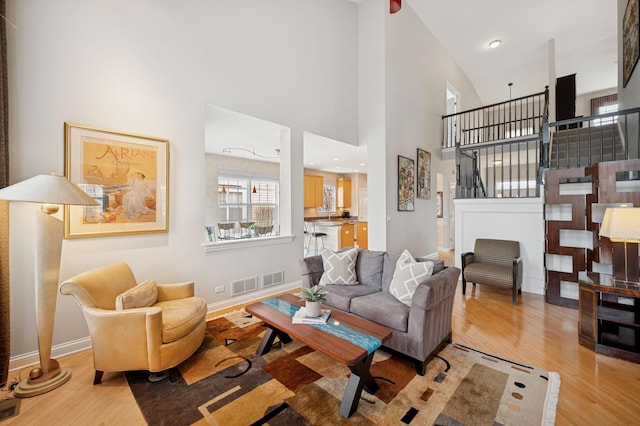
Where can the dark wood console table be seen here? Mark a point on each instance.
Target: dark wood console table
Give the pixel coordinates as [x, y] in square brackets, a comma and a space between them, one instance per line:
[609, 316]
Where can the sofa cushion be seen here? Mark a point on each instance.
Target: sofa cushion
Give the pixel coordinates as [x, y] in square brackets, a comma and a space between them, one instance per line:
[389, 268]
[339, 267]
[383, 308]
[407, 276]
[180, 317]
[141, 296]
[340, 296]
[369, 268]
[438, 265]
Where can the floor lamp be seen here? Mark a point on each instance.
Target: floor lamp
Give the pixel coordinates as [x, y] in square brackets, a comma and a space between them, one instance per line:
[622, 225]
[50, 190]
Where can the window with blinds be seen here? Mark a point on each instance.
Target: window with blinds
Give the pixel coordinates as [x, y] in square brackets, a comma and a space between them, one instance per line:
[604, 105]
[248, 206]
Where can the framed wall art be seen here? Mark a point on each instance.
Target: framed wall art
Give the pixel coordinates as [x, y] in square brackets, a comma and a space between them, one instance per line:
[630, 40]
[406, 179]
[423, 181]
[127, 174]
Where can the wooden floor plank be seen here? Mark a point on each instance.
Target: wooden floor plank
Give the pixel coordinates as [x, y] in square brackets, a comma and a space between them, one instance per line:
[595, 389]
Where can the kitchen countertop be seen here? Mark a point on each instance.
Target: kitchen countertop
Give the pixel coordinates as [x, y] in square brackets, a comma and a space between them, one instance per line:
[337, 221]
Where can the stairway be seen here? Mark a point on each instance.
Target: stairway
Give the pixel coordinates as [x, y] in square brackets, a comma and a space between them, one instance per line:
[582, 146]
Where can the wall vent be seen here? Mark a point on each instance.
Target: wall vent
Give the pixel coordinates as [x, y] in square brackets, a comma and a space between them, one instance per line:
[272, 279]
[246, 285]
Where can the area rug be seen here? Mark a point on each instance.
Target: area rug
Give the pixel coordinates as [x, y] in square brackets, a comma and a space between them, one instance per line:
[224, 383]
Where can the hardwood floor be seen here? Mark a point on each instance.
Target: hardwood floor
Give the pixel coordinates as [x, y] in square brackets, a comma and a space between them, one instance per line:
[595, 389]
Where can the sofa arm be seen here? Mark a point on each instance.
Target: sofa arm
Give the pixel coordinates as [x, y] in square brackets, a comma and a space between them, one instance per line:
[435, 289]
[175, 291]
[311, 269]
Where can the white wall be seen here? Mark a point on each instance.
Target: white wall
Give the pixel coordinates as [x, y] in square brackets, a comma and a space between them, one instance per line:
[519, 219]
[583, 102]
[151, 67]
[348, 71]
[417, 71]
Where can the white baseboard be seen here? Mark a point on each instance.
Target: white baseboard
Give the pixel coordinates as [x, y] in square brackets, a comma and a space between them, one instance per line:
[430, 256]
[32, 358]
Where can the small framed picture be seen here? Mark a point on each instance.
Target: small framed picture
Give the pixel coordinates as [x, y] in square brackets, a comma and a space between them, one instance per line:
[630, 40]
[127, 174]
[423, 181]
[406, 179]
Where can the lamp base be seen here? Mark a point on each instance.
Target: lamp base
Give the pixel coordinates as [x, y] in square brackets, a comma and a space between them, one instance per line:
[44, 383]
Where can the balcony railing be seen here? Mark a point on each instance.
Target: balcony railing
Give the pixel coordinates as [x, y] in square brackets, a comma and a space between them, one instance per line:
[508, 159]
[579, 142]
[519, 117]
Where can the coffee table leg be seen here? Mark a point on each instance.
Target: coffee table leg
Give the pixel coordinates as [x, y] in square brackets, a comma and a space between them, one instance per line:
[360, 378]
[269, 337]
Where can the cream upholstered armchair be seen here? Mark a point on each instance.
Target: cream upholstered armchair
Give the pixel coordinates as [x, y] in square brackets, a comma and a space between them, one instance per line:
[137, 327]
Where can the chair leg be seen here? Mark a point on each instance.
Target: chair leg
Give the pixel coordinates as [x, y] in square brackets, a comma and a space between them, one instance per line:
[464, 285]
[515, 294]
[97, 379]
[421, 367]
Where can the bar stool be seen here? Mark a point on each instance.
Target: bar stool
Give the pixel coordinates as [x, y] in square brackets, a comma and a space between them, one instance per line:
[310, 230]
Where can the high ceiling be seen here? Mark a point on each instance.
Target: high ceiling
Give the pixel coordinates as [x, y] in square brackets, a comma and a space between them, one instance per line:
[584, 33]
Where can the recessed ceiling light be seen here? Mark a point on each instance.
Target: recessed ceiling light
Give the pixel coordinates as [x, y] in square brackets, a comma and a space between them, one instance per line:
[362, 164]
[336, 159]
[495, 43]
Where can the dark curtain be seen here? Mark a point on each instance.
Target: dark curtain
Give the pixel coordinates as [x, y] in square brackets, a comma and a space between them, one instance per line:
[5, 329]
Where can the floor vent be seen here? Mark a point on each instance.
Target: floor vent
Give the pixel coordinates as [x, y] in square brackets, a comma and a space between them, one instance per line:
[273, 278]
[244, 286]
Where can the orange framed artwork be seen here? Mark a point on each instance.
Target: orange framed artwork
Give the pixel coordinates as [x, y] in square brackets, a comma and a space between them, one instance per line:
[127, 174]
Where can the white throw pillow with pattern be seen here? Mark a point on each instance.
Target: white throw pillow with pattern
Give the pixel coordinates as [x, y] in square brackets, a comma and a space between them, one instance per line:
[407, 276]
[339, 267]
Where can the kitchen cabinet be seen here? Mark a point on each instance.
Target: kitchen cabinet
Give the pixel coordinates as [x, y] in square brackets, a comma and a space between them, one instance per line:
[313, 191]
[343, 193]
[362, 235]
[347, 235]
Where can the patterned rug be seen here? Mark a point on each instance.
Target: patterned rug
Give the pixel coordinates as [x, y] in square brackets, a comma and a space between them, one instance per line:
[224, 383]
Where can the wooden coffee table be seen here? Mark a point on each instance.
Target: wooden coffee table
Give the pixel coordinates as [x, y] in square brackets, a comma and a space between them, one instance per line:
[346, 338]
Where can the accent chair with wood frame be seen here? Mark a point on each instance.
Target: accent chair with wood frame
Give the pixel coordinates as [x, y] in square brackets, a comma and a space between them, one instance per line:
[493, 262]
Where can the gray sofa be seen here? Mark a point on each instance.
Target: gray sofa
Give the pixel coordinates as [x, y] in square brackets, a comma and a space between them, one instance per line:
[418, 331]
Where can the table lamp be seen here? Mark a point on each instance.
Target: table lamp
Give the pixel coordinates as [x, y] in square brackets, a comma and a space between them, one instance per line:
[51, 190]
[622, 225]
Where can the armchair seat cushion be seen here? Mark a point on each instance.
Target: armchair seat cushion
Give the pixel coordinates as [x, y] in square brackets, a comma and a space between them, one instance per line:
[180, 317]
[383, 308]
[499, 276]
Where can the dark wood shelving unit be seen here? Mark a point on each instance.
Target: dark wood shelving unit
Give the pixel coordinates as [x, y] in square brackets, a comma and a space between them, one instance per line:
[609, 316]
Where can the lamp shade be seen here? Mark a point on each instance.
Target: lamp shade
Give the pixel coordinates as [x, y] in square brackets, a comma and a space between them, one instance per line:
[621, 224]
[49, 189]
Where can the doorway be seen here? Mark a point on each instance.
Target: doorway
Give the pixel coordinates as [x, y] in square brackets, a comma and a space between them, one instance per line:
[452, 103]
